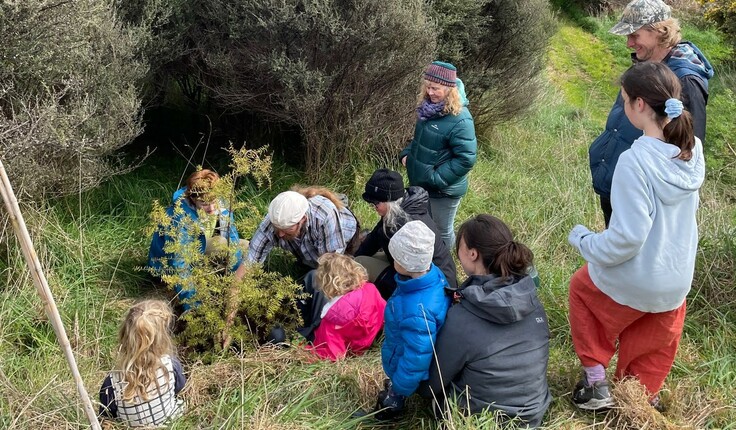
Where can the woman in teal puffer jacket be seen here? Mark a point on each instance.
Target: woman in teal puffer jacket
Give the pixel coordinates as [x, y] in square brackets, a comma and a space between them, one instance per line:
[444, 146]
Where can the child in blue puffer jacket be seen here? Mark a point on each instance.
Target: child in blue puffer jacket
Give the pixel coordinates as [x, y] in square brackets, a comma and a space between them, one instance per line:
[414, 314]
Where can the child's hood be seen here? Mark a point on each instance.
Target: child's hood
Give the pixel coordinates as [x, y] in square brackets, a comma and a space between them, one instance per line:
[672, 179]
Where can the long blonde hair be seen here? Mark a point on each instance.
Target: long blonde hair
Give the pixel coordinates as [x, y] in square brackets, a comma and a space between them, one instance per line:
[338, 274]
[314, 190]
[144, 338]
[453, 104]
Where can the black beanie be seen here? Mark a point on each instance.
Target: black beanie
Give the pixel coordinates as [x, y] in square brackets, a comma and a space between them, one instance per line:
[384, 186]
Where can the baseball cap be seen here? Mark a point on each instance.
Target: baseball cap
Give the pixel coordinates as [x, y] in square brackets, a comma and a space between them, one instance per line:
[639, 13]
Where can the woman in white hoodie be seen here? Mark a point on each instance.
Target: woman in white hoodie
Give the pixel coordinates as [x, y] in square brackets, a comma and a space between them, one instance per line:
[632, 290]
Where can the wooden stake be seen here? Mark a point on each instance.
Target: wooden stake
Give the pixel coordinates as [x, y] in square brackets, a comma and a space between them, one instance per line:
[42, 286]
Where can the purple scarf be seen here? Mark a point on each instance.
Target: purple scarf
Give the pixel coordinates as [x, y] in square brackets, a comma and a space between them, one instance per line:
[428, 110]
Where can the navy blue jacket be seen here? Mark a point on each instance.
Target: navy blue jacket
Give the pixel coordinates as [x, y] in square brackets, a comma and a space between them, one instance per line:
[694, 71]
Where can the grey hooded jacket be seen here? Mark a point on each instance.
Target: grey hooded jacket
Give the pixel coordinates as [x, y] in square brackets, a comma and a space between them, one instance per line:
[493, 350]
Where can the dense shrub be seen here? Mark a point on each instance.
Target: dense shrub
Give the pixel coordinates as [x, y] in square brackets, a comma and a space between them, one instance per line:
[165, 32]
[344, 73]
[723, 14]
[68, 98]
[499, 47]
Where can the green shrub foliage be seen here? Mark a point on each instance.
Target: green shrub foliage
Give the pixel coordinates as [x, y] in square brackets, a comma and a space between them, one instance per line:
[165, 32]
[68, 97]
[260, 299]
[345, 73]
[499, 47]
[723, 14]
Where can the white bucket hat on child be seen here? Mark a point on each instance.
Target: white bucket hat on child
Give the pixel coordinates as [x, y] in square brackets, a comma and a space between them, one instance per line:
[287, 209]
[413, 246]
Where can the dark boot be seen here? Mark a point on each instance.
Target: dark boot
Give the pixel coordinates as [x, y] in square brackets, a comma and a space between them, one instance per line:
[390, 406]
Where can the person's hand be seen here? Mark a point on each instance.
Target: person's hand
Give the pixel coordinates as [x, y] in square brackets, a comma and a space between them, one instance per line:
[577, 234]
[403, 160]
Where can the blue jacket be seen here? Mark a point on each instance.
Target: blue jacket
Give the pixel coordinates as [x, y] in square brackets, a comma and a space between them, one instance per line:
[443, 151]
[694, 70]
[414, 314]
[161, 262]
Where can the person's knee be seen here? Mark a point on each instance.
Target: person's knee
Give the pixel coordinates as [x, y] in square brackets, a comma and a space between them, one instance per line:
[215, 246]
[373, 265]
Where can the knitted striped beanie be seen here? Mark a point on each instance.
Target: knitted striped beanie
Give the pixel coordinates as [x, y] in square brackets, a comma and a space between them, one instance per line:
[441, 73]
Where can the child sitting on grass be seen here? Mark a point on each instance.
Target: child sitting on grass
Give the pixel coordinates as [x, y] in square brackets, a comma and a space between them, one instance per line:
[414, 314]
[353, 316]
[142, 389]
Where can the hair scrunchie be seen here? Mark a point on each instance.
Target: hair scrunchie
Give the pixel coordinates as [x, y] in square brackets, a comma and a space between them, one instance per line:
[673, 108]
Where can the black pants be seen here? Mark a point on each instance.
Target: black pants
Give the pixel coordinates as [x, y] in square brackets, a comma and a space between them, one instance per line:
[310, 308]
[606, 208]
[385, 282]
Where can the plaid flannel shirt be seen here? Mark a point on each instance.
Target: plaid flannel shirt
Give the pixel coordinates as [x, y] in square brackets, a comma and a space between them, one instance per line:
[327, 230]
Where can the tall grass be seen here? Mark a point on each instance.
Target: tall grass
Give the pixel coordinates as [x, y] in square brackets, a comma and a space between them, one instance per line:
[532, 173]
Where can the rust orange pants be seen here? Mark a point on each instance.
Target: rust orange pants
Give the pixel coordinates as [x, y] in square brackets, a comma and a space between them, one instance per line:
[647, 342]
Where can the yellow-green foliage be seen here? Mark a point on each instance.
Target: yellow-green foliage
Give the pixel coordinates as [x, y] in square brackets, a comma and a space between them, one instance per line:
[259, 298]
[722, 13]
[262, 299]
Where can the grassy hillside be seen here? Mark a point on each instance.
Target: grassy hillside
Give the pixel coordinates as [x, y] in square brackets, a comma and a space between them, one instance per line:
[533, 174]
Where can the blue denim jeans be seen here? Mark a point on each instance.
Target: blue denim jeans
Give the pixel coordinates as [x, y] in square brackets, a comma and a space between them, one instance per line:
[443, 214]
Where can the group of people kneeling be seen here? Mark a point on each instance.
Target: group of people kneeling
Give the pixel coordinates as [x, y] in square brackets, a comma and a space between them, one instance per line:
[484, 344]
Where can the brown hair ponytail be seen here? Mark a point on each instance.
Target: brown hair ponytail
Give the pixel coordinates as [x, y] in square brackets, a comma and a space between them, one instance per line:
[501, 254]
[655, 83]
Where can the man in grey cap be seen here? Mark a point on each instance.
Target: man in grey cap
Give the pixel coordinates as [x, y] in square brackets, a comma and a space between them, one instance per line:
[653, 35]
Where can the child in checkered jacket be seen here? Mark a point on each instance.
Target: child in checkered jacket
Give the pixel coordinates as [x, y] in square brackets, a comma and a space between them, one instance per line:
[142, 389]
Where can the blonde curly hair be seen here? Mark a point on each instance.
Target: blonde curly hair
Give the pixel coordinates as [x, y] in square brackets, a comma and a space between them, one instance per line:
[339, 274]
[453, 103]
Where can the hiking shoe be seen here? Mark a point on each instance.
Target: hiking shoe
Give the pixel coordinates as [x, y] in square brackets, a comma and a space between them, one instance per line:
[390, 405]
[596, 397]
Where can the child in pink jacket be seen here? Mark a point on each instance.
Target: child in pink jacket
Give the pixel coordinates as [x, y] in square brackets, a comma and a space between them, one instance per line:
[353, 316]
